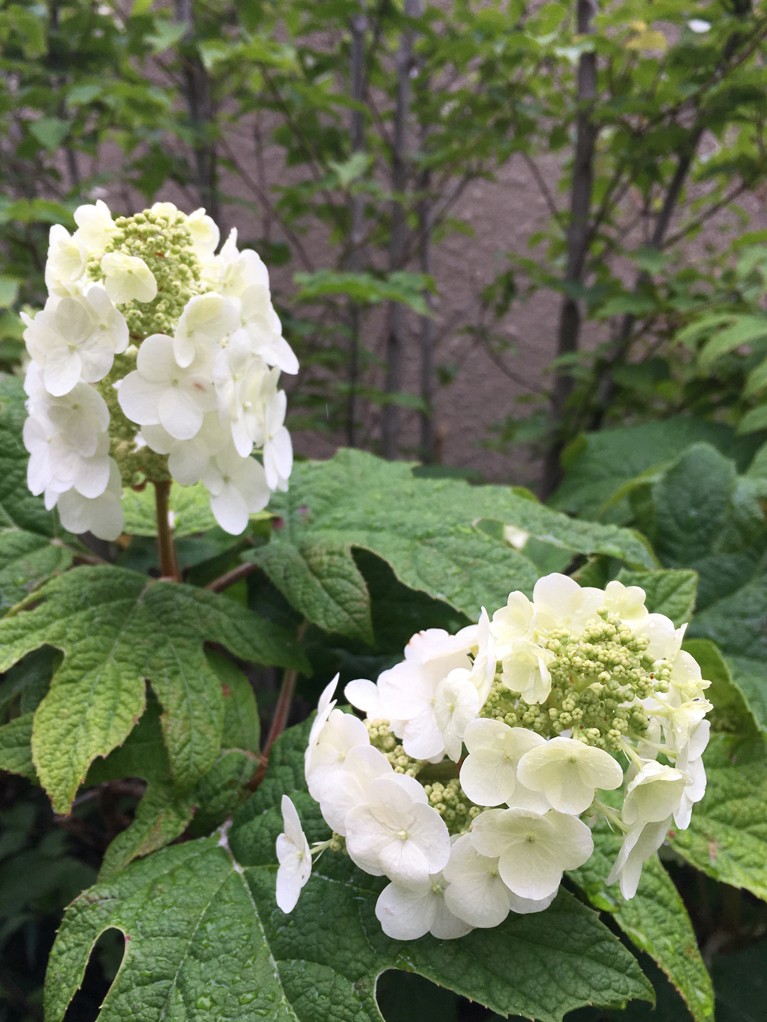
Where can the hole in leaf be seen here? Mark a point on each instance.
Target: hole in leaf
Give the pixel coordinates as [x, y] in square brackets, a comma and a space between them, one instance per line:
[105, 960]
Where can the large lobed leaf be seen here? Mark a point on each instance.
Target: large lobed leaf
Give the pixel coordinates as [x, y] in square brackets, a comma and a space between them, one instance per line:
[206, 939]
[423, 528]
[118, 629]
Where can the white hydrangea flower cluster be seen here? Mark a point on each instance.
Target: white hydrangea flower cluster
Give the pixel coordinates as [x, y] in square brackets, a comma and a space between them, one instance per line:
[474, 781]
[154, 358]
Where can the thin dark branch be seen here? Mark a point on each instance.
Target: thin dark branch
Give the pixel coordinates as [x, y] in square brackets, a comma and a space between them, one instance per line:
[263, 198]
[544, 189]
[232, 577]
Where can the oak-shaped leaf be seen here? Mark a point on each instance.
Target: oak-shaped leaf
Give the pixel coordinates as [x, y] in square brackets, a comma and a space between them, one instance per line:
[118, 630]
[424, 528]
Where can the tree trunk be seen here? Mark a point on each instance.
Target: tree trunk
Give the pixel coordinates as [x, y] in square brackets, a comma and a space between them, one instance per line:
[357, 135]
[577, 247]
[395, 339]
[199, 104]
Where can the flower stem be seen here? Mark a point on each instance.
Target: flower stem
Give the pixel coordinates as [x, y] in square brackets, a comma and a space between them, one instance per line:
[168, 560]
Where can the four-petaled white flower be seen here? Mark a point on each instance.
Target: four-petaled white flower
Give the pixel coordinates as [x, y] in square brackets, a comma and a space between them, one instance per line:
[343, 789]
[689, 761]
[476, 893]
[533, 850]
[75, 338]
[489, 772]
[238, 488]
[664, 639]
[525, 671]
[568, 773]
[409, 690]
[396, 833]
[406, 913]
[561, 603]
[512, 622]
[206, 321]
[278, 448]
[628, 602]
[128, 278]
[294, 857]
[160, 392]
[205, 233]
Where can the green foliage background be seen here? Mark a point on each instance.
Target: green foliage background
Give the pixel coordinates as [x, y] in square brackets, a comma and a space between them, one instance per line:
[137, 715]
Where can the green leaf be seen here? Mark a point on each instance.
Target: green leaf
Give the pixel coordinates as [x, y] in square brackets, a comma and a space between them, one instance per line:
[600, 463]
[745, 330]
[222, 789]
[242, 726]
[655, 920]
[692, 502]
[164, 812]
[9, 291]
[206, 940]
[29, 679]
[116, 629]
[406, 288]
[322, 582]
[423, 527]
[26, 560]
[727, 838]
[49, 131]
[756, 380]
[700, 515]
[190, 506]
[731, 711]
[15, 747]
[701, 328]
[738, 625]
[670, 592]
[754, 420]
[166, 34]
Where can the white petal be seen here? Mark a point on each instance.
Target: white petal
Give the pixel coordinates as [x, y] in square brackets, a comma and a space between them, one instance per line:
[179, 414]
[140, 399]
[406, 914]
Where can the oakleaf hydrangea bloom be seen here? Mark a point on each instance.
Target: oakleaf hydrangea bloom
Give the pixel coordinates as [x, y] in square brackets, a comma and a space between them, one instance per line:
[154, 358]
[477, 776]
